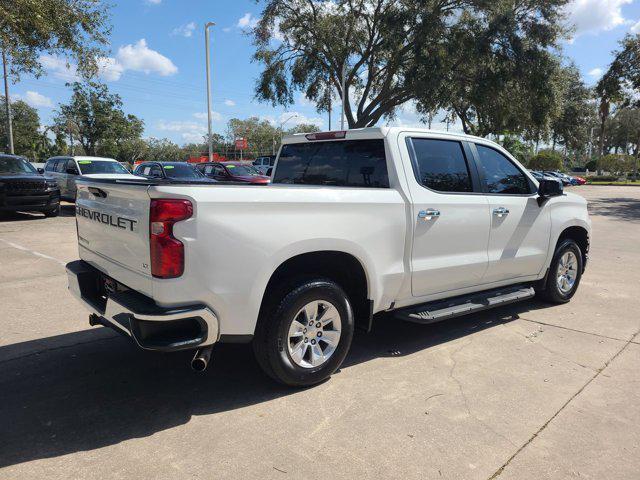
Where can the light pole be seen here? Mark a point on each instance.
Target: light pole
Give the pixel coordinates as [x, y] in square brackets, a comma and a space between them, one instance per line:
[344, 84]
[281, 131]
[7, 103]
[209, 135]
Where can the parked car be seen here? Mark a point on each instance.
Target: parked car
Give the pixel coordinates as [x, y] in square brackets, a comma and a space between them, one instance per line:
[428, 225]
[233, 172]
[539, 176]
[66, 170]
[263, 164]
[580, 180]
[177, 171]
[22, 188]
[564, 178]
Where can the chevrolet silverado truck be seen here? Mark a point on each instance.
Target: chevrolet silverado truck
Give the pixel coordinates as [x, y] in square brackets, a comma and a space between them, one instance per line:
[425, 225]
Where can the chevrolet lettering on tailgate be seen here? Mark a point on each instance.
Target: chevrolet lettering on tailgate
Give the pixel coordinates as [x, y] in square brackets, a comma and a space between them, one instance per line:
[106, 218]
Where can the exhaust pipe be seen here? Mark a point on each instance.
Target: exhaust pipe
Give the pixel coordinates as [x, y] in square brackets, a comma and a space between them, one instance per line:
[201, 359]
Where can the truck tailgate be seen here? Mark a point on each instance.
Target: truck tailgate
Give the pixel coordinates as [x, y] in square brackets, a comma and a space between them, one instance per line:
[113, 229]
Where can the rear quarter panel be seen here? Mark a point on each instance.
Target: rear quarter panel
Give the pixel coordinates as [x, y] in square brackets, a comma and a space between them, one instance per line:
[239, 235]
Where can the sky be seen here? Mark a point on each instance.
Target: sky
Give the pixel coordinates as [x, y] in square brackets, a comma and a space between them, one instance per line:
[156, 64]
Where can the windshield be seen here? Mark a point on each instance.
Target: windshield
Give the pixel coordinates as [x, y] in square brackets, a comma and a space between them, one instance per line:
[242, 170]
[15, 165]
[181, 170]
[87, 167]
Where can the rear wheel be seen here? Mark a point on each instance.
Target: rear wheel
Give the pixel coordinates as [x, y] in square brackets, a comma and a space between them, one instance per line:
[565, 273]
[304, 339]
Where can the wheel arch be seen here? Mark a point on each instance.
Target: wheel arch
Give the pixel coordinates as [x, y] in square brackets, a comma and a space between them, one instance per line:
[343, 268]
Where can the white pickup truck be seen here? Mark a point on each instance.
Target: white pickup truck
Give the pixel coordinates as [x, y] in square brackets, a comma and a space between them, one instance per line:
[428, 225]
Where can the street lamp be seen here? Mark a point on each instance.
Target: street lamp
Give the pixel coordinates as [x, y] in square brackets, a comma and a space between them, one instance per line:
[208, 66]
[282, 131]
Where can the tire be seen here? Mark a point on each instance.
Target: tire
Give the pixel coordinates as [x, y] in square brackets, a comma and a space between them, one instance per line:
[54, 212]
[555, 290]
[290, 355]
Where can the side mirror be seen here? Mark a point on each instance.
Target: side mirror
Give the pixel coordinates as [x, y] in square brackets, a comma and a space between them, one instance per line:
[72, 171]
[548, 189]
[40, 170]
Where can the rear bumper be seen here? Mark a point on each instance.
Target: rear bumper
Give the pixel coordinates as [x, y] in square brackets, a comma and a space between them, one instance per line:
[138, 316]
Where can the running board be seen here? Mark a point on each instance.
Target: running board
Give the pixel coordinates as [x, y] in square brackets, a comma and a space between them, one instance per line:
[463, 305]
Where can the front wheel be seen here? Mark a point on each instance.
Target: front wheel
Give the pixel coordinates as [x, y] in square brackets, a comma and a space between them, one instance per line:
[304, 339]
[52, 212]
[565, 273]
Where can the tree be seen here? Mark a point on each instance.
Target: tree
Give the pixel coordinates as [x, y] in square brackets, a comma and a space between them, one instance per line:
[393, 51]
[571, 127]
[95, 118]
[74, 28]
[29, 141]
[516, 147]
[499, 71]
[546, 160]
[616, 163]
[163, 150]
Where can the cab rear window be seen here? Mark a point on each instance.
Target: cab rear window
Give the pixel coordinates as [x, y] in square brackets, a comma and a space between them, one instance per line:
[348, 163]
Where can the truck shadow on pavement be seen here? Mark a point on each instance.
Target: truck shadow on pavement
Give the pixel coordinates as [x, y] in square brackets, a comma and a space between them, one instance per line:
[619, 208]
[93, 388]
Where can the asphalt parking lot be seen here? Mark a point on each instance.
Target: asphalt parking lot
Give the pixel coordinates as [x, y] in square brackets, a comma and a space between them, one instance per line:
[524, 392]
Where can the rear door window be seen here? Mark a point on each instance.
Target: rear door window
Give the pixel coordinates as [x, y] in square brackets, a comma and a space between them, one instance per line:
[441, 165]
[348, 163]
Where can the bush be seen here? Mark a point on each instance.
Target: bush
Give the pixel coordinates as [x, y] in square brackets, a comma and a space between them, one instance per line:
[603, 178]
[591, 165]
[615, 163]
[546, 160]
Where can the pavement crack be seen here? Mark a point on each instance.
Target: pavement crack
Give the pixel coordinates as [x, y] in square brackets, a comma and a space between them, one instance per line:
[578, 331]
[498, 472]
[464, 395]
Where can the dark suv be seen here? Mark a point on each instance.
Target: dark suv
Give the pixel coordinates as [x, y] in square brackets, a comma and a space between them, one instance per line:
[22, 188]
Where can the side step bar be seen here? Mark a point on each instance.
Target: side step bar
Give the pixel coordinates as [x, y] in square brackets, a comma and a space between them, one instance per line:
[463, 305]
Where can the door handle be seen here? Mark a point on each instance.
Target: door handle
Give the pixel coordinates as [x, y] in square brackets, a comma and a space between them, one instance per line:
[501, 212]
[428, 214]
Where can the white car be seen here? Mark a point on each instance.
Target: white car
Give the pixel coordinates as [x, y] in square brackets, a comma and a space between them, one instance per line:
[66, 170]
[263, 164]
[428, 225]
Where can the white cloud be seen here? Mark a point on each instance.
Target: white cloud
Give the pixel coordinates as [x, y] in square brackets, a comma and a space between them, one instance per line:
[226, 29]
[595, 72]
[185, 30]
[229, 103]
[247, 21]
[292, 120]
[141, 58]
[215, 116]
[189, 130]
[593, 16]
[59, 67]
[636, 28]
[153, 2]
[34, 99]
[109, 69]
[138, 57]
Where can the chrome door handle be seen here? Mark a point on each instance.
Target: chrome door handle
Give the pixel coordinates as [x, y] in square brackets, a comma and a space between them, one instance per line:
[501, 212]
[428, 214]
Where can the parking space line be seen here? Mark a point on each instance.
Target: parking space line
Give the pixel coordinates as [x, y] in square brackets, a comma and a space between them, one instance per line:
[33, 252]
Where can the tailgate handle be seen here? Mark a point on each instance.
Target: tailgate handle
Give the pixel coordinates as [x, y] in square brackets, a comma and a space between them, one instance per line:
[96, 192]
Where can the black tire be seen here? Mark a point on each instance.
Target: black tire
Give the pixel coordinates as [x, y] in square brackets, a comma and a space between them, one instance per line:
[53, 212]
[270, 342]
[552, 292]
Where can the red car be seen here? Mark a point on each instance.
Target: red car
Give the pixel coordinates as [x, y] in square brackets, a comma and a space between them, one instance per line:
[232, 172]
[581, 181]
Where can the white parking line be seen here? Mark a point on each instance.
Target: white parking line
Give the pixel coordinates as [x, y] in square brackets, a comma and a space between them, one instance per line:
[33, 252]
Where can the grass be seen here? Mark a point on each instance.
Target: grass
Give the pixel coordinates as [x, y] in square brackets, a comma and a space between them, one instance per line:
[628, 182]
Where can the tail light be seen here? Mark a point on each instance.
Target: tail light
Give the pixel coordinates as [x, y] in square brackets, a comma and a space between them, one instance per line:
[167, 252]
